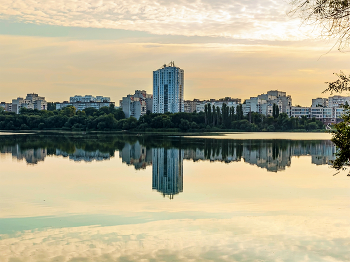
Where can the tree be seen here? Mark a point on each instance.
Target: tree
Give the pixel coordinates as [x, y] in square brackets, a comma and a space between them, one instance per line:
[184, 125]
[68, 111]
[51, 106]
[239, 112]
[205, 113]
[332, 17]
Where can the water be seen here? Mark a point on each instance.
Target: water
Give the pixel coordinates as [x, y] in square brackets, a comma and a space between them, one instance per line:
[239, 197]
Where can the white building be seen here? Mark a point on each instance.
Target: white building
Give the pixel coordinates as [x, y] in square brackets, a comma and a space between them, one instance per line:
[263, 103]
[32, 101]
[137, 105]
[200, 107]
[319, 102]
[299, 111]
[168, 89]
[336, 101]
[197, 105]
[328, 110]
[89, 98]
[83, 102]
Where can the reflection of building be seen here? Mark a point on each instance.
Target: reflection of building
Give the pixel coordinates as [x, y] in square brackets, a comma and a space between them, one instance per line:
[137, 155]
[31, 156]
[167, 171]
[272, 156]
[82, 155]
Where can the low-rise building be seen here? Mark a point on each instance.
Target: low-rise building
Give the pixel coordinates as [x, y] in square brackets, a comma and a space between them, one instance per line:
[83, 102]
[89, 98]
[299, 111]
[197, 105]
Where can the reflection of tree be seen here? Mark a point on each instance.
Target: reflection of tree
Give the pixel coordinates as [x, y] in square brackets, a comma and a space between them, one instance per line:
[274, 155]
[93, 146]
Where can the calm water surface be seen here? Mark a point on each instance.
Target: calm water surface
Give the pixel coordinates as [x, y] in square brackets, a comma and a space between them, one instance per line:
[243, 197]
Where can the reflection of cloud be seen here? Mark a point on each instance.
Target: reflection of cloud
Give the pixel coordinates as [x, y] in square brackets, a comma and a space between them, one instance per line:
[253, 19]
[237, 239]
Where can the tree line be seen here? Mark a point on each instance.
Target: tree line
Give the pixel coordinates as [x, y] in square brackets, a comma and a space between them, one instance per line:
[113, 119]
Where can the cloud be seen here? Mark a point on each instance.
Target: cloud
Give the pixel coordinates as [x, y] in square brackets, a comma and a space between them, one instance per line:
[239, 19]
[260, 238]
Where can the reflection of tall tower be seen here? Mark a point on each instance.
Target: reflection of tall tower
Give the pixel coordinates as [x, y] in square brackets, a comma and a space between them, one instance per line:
[167, 171]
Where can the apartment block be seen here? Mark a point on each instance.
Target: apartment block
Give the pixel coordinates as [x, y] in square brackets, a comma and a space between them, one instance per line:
[83, 102]
[7, 106]
[300, 111]
[263, 103]
[197, 105]
[137, 105]
[168, 89]
[32, 101]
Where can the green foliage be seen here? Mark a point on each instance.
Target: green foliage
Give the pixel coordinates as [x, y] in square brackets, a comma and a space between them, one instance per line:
[51, 106]
[112, 119]
[275, 111]
[68, 111]
[341, 138]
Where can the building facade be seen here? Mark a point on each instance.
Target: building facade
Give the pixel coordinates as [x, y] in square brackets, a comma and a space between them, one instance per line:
[168, 89]
[328, 110]
[83, 102]
[32, 101]
[137, 105]
[263, 104]
[89, 98]
[197, 105]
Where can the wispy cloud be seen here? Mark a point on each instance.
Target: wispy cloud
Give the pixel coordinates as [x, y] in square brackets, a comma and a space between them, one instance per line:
[240, 19]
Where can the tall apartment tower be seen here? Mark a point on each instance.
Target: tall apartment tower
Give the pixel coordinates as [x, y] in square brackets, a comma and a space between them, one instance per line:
[168, 89]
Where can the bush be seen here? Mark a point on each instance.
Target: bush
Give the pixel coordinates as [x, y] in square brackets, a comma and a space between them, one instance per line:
[271, 128]
[41, 126]
[24, 127]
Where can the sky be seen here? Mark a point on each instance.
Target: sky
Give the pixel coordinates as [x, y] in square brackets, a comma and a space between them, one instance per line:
[236, 48]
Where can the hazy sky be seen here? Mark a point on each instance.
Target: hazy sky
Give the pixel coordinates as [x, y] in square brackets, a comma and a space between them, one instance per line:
[237, 48]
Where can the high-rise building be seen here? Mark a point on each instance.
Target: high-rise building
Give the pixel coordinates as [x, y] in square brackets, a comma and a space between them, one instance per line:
[168, 89]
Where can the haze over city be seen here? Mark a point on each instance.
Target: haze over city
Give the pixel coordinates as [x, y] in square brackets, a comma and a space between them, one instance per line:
[227, 48]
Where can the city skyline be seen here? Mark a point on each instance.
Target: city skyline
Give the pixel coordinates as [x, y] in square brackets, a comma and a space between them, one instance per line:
[116, 101]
